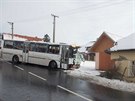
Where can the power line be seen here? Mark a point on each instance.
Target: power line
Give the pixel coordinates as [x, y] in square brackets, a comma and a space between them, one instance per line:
[89, 8]
[32, 19]
[43, 17]
[74, 11]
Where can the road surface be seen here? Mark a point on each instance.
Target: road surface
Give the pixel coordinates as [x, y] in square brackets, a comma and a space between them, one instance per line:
[27, 82]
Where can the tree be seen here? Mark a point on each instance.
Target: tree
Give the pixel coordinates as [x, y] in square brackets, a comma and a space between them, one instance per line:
[46, 38]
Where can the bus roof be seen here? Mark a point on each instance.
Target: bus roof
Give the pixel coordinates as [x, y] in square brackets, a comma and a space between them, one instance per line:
[40, 42]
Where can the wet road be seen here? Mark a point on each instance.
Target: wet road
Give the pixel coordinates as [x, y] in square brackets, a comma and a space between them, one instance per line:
[25, 82]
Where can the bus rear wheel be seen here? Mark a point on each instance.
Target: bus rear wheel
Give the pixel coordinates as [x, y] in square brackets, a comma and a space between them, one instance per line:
[15, 59]
[53, 65]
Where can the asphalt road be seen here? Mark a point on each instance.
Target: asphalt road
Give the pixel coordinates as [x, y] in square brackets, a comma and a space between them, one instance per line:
[27, 82]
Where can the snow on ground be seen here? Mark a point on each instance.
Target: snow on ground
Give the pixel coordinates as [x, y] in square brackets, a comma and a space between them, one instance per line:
[86, 68]
[87, 72]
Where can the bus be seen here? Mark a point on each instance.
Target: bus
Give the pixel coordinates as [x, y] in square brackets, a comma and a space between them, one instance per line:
[42, 53]
[0, 47]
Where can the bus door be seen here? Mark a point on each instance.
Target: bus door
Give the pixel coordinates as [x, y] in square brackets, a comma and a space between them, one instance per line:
[0, 52]
[64, 57]
[25, 52]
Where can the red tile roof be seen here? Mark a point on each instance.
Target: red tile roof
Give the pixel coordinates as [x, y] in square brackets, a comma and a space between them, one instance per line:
[28, 38]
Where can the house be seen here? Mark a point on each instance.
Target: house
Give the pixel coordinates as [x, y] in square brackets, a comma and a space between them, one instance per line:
[20, 37]
[102, 59]
[124, 55]
[90, 56]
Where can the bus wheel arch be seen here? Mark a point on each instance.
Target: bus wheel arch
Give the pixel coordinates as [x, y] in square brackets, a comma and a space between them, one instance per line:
[15, 59]
[53, 64]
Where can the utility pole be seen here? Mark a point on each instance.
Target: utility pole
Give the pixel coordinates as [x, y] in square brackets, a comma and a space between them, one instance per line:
[12, 28]
[54, 16]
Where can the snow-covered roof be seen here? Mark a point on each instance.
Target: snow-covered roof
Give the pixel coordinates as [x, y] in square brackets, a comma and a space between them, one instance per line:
[19, 37]
[112, 36]
[83, 48]
[9, 36]
[115, 37]
[108, 36]
[126, 43]
[89, 44]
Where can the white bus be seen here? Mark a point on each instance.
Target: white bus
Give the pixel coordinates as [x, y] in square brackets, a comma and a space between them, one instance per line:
[0, 47]
[41, 53]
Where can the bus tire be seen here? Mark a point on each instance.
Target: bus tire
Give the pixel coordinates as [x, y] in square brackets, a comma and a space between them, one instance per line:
[15, 59]
[53, 65]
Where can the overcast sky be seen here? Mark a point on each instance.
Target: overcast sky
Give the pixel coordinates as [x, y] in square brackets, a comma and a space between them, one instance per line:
[79, 22]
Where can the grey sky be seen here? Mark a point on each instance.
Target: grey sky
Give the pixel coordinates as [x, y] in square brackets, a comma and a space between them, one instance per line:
[80, 21]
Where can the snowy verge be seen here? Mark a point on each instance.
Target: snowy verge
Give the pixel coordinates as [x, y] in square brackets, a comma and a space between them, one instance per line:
[90, 74]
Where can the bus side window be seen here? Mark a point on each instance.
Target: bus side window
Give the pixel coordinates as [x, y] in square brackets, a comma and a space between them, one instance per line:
[50, 49]
[40, 47]
[32, 47]
[46, 48]
[18, 45]
[53, 49]
[57, 50]
[8, 44]
[0, 44]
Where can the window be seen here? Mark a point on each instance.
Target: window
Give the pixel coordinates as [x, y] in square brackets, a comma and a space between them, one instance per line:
[8, 44]
[40, 47]
[32, 47]
[54, 49]
[18, 45]
[133, 67]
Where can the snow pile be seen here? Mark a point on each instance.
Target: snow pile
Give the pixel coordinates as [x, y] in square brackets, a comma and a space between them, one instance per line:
[86, 68]
[111, 83]
[87, 72]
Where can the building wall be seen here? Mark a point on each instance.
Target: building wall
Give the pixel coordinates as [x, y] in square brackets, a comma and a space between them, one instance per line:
[130, 55]
[97, 60]
[121, 64]
[103, 60]
[103, 44]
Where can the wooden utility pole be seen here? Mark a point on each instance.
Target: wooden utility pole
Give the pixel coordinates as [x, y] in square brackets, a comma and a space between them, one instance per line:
[12, 28]
[54, 16]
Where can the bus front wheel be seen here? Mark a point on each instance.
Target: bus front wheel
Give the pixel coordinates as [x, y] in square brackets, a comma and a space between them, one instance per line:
[53, 65]
[15, 59]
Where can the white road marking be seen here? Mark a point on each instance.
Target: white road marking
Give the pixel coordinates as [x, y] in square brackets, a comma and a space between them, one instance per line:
[19, 67]
[8, 62]
[57, 85]
[37, 76]
[74, 93]
[15, 65]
